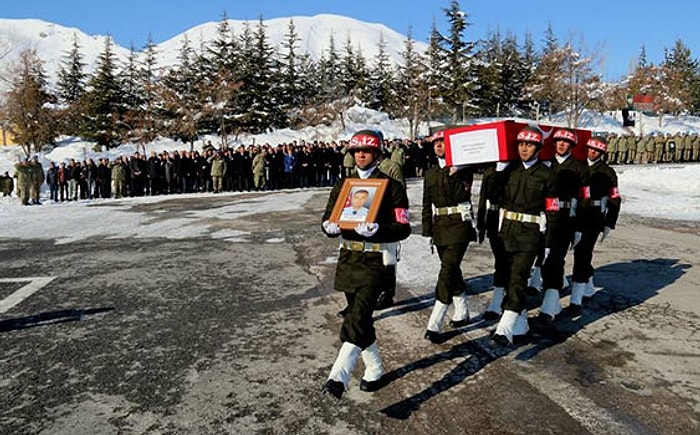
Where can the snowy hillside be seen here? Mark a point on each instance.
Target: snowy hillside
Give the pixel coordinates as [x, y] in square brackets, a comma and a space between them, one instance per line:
[52, 41]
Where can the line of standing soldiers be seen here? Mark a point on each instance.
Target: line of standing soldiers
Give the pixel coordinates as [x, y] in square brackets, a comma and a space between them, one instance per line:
[30, 177]
[653, 148]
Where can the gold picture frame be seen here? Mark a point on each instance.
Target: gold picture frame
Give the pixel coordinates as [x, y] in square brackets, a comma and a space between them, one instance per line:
[358, 201]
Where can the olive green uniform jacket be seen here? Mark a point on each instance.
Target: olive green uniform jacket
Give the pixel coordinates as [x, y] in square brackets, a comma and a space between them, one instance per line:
[440, 189]
[362, 274]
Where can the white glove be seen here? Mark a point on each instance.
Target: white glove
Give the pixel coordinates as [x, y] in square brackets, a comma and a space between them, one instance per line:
[546, 254]
[500, 166]
[577, 238]
[605, 233]
[330, 228]
[367, 229]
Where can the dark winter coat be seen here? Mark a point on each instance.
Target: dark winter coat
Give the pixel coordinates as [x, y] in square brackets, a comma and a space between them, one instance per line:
[359, 269]
[440, 189]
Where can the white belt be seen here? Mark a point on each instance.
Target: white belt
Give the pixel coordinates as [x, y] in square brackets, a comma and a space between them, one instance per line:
[463, 208]
[521, 217]
[443, 211]
[352, 245]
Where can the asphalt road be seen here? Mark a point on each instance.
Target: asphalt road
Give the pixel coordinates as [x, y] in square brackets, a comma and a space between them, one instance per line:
[205, 336]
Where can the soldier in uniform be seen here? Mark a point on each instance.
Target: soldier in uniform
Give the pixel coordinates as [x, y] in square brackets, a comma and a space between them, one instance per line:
[527, 197]
[614, 139]
[659, 144]
[37, 179]
[360, 272]
[641, 144]
[118, 176]
[622, 150]
[386, 297]
[649, 148]
[570, 186]
[447, 220]
[8, 185]
[487, 218]
[23, 174]
[695, 156]
[218, 171]
[598, 217]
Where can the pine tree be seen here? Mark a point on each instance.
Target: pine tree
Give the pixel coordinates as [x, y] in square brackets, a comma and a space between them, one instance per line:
[71, 75]
[26, 109]
[436, 76]
[132, 95]
[380, 78]
[410, 95]
[294, 79]
[141, 108]
[71, 88]
[489, 69]
[514, 74]
[462, 81]
[680, 72]
[103, 101]
[264, 108]
[179, 93]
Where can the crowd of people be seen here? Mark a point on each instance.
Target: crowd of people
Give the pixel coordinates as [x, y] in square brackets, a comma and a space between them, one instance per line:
[252, 168]
[653, 148]
[532, 211]
[265, 167]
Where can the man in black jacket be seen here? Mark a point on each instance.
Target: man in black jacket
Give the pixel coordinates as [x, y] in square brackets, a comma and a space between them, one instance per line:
[360, 272]
[598, 217]
[570, 186]
[527, 195]
[447, 221]
[487, 218]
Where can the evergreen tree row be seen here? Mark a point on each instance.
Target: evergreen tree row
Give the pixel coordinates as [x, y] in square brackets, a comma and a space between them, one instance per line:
[238, 83]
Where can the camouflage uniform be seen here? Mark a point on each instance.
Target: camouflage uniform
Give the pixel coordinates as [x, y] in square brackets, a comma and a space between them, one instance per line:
[24, 182]
[631, 148]
[649, 147]
[695, 156]
[218, 170]
[641, 144]
[118, 175]
[622, 150]
[612, 155]
[659, 145]
[37, 179]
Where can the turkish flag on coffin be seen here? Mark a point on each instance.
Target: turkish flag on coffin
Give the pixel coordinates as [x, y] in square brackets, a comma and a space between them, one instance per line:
[496, 141]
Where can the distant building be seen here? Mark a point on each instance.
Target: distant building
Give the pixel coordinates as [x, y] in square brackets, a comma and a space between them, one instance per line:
[6, 138]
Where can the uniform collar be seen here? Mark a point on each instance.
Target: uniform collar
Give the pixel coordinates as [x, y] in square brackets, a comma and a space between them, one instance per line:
[562, 159]
[530, 163]
[365, 173]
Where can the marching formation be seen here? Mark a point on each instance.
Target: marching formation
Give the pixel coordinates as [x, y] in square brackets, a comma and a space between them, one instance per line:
[531, 211]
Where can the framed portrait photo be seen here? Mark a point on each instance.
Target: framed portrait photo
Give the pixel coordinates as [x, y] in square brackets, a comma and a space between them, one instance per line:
[358, 201]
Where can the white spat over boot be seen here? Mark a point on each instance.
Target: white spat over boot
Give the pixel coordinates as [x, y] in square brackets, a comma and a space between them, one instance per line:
[342, 369]
[372, 379]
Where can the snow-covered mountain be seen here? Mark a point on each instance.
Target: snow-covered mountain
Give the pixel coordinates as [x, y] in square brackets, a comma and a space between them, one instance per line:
[53, 42]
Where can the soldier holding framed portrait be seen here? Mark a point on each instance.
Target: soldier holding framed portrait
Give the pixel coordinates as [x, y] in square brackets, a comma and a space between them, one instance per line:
[365, 248]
